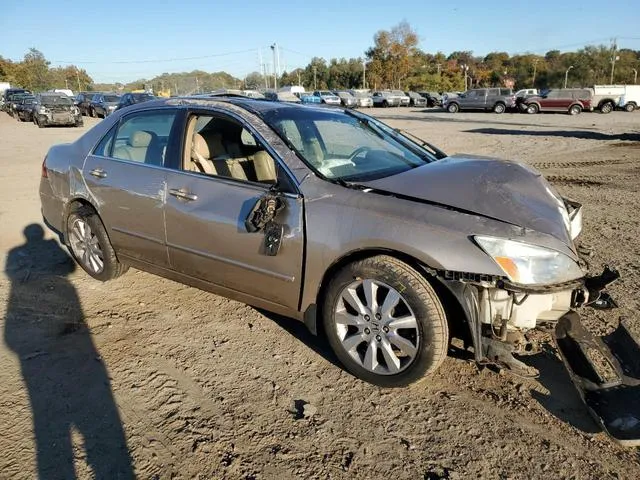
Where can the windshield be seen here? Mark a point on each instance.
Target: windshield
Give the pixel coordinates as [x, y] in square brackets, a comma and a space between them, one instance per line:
[346, 146]
[111, 98]
[325, 92]
[55, 100]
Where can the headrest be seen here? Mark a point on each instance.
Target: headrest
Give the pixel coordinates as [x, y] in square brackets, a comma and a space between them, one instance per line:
[140, 139]
[200, 146]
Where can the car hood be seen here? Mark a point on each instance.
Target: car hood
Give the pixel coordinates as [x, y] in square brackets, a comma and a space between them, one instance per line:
[507, 191]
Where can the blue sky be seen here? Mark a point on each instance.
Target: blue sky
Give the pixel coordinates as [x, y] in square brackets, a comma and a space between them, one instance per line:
[126, 40]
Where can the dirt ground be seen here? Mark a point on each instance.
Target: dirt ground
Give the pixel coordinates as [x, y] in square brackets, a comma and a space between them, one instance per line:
[145, 377]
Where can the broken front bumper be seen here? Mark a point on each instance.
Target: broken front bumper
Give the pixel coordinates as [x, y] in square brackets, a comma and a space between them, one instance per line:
[606, 372]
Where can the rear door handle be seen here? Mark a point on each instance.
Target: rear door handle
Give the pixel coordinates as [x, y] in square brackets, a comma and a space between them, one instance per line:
[98, 172]
[183, 194]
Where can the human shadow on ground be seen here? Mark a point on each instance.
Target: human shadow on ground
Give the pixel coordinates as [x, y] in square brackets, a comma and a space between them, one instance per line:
[66, 379]
[582, 134]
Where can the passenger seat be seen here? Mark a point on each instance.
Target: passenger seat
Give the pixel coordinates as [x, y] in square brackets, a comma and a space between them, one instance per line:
[139, 148]
[265, 167]
[201, 156]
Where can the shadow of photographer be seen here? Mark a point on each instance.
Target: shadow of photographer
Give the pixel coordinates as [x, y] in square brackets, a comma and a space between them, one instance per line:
[67, 381]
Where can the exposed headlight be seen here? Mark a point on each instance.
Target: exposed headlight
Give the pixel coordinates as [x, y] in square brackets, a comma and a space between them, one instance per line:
[529, 264]
[42, 111]
[75, 110]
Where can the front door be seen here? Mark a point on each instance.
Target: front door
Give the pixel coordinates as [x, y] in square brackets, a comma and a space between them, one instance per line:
[224, 172]
[125, 176]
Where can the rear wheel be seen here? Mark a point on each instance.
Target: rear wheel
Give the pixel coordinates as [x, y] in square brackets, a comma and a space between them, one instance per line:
[533, 108]
[90, 245]
[629, 107]
[385, 322]
[499, 108]
[575, 109]
[606, 107]
[453, 108]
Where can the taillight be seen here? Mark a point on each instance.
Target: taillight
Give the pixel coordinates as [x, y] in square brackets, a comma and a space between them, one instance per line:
[45, 174]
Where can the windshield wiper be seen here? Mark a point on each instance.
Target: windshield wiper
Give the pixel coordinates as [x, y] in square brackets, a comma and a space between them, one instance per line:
[439, 154]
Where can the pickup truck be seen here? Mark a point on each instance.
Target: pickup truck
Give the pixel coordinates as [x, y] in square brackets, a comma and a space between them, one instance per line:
[497, 100]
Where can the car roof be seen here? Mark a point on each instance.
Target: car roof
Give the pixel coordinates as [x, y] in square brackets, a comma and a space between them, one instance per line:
[257, 106]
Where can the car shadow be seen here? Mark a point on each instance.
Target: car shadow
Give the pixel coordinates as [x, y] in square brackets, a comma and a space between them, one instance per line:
[66, 379]
[563, 400]
[297, 329]
[582, 134]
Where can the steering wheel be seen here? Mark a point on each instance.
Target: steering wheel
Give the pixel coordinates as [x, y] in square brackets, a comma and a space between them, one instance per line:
[357, 152]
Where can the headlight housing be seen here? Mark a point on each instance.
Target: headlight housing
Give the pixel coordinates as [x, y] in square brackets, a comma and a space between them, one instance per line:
[42, 110]
[528, 264]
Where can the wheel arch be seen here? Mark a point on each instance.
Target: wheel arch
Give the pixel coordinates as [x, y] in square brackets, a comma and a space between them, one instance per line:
[73, 205]
[455, 314]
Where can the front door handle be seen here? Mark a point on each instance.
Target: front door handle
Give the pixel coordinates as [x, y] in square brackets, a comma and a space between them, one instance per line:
[98, 172]
[183, 194]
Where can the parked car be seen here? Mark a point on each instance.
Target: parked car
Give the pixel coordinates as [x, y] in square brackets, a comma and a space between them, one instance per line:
[15, 100]
[55, 109]
[23, 110]
[83, 102]
[527, 92]
[346, 99]
[103, 104]
[134, 98]
[308, 98]
[434, 99]
[363, 98]
[385, 98]
[327, 97]
[416, 100]
[570, 100]
[309, 228]
[283, 96]
[11, 97]
[497, 100]
[404, 99]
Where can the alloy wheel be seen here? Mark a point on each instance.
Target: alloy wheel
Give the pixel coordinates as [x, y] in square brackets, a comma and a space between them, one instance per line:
[376, 327]
[85, 246]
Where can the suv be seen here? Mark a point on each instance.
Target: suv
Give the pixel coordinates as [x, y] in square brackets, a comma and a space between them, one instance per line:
[102, 104]
[569, 100]
[495, 99]
[416, 100]
[133, 98]
[385, 99]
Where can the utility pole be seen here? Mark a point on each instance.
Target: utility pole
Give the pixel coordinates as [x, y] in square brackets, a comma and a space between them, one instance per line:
[535, 65]
[465, 69]
[566, 76]
[78, 78]
[438, 65]
[315, 83]
[614, 57]
[299, 84]
[635, 76]
[197, 86]
[364, 74]
[275, 74]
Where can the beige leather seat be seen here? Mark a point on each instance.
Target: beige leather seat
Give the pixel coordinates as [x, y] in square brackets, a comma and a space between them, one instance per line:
[138, 149]
[313, 152]
[265, 167]
[201, 156]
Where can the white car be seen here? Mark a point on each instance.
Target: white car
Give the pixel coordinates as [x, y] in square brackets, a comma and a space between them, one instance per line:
[327, 97]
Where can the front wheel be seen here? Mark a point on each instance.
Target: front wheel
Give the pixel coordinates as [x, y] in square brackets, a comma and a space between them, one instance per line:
[499, 108]
[532, 109]
[629, 107]
[453, 108]
[385, 322]
[90, 245]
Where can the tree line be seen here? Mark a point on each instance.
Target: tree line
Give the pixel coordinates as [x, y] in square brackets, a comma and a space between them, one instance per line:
[393, 61]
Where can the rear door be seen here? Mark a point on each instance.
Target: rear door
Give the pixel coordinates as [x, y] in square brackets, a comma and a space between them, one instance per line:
[126, 177]
[206, 212]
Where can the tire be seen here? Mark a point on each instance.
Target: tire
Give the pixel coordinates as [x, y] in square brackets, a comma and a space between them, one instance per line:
[499, 108]
[575, 110]
[423, 336]
[92, 113]
[533, 108]
[629, 107]
[606, 107]
[39, 123]
[453, 108]
[101, 263]
[385, 104]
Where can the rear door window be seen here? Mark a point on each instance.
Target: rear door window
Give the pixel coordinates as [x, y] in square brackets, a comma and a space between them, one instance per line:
[143, 137]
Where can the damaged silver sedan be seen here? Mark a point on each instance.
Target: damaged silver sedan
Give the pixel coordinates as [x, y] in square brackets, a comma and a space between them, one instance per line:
[379, 240]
